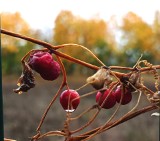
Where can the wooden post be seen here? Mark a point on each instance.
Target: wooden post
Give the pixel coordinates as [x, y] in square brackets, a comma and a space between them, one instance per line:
[1, 101]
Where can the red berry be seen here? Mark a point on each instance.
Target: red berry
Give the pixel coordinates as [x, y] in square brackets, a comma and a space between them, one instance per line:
[109, 98]
[69, 100]
[43, 63]
[127, 96]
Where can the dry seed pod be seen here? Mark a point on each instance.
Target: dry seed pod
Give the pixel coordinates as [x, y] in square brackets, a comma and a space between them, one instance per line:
[134, 81]
[134, 78]
[156, 96]
[100, 78]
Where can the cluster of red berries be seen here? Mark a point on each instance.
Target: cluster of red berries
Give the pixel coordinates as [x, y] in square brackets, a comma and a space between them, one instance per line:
[70, 99]
[44, 64]
[108, 99]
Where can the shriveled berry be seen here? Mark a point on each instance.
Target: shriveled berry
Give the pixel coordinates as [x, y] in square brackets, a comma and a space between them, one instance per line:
[127, 96]
[69, 100]
[43, 63]
[106, 97]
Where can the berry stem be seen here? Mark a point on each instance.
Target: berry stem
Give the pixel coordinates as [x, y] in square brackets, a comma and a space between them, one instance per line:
[49, 106]
[64, 82]
[42, 43]
[84, 112]
[87, 124]
[50, 47]
[119, 76]
[130, 116]
[112, 116]
[137, 103]
[90, 108]
[83, 47]
[95, 115]
[53, 48]
[72, 59]
[115, 123]
[51, 133]
[31, 51]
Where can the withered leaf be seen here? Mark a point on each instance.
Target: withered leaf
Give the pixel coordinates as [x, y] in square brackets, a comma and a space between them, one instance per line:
[26, 80]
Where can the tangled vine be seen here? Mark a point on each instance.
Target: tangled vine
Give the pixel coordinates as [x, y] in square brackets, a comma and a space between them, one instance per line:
[109, 85]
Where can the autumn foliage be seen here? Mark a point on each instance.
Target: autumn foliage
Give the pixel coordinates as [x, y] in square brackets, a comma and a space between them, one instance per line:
[90, 47]
[137, 37]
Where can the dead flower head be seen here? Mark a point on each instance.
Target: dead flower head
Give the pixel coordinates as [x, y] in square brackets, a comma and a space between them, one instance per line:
[100, 79]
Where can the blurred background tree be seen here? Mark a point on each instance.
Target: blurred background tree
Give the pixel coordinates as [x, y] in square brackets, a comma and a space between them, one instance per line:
[14, 49]
[137, 37]
[92, 33]
[156, 36]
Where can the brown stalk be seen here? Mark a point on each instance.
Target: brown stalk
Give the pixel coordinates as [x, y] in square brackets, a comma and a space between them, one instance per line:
[60, 54]
[119, 76]
[64, 82]
[50, 47]
[95, 115]
[115, 123]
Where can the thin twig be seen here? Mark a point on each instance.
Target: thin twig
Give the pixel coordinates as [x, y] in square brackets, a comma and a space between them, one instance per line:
[51, 47]
[96, 114]
[115, 123]
[83, 47]
[55, 96]
[86, 111]
[52, 133]
[49, 106]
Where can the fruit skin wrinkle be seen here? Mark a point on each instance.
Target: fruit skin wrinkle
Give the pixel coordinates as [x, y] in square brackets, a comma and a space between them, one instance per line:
[44, 64]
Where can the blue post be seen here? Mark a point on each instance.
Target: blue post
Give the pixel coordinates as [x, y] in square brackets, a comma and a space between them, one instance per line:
[1, 102]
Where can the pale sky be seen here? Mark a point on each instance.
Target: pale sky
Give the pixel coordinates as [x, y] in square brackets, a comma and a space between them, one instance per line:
[41, 14]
